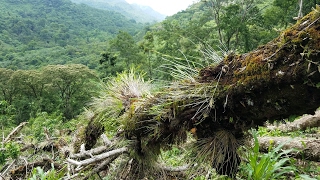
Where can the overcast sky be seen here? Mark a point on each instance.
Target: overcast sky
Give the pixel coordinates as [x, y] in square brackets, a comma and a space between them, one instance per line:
[166, 7]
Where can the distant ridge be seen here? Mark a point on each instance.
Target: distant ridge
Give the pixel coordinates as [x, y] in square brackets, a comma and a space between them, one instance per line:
[35, 33]
[136, 12]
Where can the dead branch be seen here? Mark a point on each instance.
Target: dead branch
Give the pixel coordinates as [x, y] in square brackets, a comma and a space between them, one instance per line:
[104, 166]
[308, 148]
[174, 169]
[307, 121]
[15, 131]
[89, 153]
[7, 168]
[106, 140]
[99, 157]
[45, 163]
[27, 147]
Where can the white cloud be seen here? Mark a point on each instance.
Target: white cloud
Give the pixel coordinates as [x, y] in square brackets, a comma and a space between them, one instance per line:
[166, 7]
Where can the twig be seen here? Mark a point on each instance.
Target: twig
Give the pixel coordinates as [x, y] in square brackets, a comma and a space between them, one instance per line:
[22, 171]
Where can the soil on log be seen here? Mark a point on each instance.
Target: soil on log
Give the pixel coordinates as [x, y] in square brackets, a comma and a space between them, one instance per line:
[279, 79]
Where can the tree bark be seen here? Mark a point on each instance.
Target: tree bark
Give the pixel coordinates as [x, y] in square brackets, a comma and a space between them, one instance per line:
[307, 121]
[307, 148]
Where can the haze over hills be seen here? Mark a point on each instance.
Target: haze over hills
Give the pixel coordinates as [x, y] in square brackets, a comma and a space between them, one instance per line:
[34, 33]
[131, 11]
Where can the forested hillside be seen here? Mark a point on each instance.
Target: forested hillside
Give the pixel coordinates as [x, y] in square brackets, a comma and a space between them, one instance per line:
[36, 33]
[87, 93]
[134, 12]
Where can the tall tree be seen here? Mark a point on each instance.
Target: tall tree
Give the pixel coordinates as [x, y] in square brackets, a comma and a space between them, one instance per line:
[127, 49]
[7, 89]
[74, 85]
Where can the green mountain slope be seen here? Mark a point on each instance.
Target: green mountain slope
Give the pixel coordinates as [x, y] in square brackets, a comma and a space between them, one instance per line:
[40, 32]
[131, 11]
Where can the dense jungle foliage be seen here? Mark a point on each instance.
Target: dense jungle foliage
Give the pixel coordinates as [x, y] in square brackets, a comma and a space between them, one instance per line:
[37, 33]
[56, 55]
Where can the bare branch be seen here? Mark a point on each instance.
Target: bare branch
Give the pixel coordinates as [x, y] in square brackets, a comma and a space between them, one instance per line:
[105, 139]
[15, 131]
[175, 169]
[7, 168]
[98, 157]
[90, 152]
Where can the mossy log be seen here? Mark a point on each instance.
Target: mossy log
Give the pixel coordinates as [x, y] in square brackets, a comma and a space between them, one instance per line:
[279, 79]
[276, 80]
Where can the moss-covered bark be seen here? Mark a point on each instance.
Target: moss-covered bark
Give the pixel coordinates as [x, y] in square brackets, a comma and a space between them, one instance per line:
[275, 81]
[279, 79]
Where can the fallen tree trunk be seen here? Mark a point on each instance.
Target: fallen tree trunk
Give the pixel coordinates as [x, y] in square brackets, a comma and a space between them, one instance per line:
[307, 121]
[307, 148]
[275, 81]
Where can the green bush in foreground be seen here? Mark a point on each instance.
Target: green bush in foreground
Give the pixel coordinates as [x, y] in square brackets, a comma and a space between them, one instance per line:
[271, 165]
